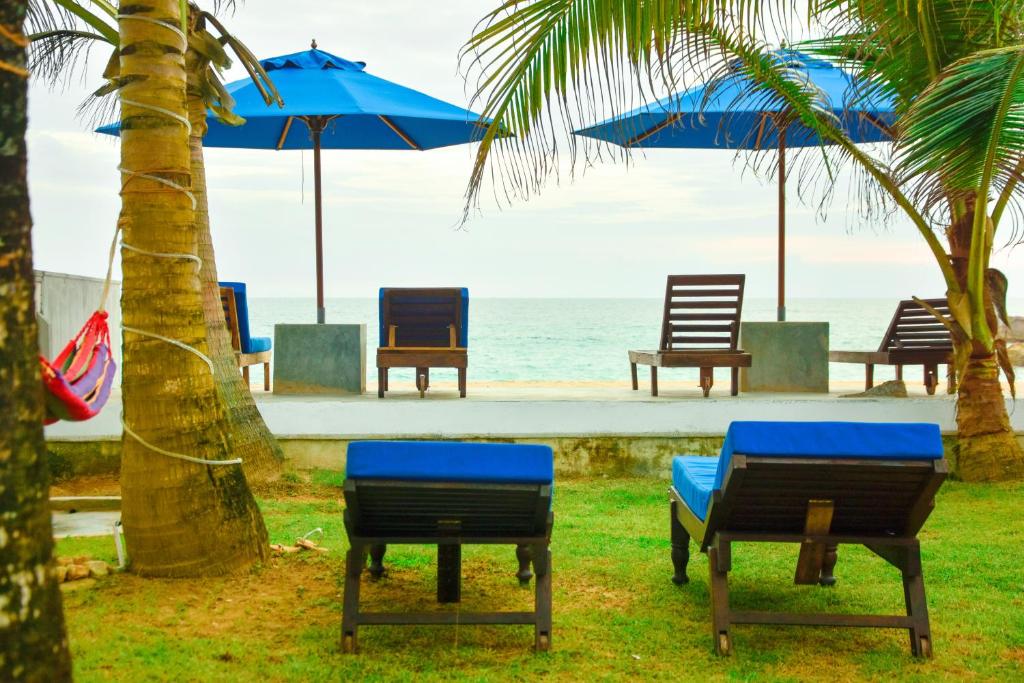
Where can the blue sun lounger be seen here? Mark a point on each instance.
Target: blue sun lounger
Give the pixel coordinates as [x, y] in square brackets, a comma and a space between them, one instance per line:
[448, 494]
[818, 484]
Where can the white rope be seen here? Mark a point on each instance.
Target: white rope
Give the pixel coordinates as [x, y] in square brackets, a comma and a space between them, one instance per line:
[172, 454]
[151, 20]
[175, 342]
[160, 110]
[157, 179]
[155, 254]
[189, 257]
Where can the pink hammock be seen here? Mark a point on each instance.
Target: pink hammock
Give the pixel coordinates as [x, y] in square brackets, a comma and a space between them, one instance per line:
[78, 380]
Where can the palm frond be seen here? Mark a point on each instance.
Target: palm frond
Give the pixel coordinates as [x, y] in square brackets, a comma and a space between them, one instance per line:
[964, 135]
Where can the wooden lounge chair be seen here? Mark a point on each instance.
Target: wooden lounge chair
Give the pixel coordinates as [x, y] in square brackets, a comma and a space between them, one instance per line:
[423, 329]
[817, 484]
[249, 350]
[699, 329]
[448, 494]
[914, 337]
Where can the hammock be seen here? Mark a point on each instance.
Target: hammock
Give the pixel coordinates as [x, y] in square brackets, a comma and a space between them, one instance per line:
[78, 381]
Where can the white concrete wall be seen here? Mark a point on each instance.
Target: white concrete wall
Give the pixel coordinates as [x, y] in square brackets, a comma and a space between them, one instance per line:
[63, 304]
[369, 417]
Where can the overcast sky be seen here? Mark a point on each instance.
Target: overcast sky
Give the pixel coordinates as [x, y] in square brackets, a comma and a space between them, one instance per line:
[390, 217]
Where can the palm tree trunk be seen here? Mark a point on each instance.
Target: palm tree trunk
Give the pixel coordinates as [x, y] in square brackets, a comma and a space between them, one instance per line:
[251, 440]
[180, 518]
[987, 449]
[33, 642]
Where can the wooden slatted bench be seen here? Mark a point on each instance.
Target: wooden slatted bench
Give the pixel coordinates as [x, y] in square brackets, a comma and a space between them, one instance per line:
[818, 485]
[699, 329]
[423, 328]
[914, 337]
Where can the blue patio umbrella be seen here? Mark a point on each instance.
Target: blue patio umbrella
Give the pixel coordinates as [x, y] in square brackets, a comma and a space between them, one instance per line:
[729, 113]
[333, 103]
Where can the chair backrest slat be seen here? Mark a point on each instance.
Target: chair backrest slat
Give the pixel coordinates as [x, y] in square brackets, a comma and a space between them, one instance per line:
[420, 509]
[227, 301]
[696, 305]
[869, 497]
[422, 316]
[914, 327]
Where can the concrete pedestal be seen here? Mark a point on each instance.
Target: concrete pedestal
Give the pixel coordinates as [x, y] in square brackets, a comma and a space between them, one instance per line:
[320, 359]
[787, 357]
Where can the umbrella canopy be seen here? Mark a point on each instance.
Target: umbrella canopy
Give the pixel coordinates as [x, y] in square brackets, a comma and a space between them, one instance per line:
[363, 111]
[333, 103]
[733, 113]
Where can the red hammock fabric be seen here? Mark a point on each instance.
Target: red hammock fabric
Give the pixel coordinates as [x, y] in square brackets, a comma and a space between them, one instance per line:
[78, 380]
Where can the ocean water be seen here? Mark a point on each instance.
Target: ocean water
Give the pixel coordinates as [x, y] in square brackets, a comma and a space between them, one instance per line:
[584, 339]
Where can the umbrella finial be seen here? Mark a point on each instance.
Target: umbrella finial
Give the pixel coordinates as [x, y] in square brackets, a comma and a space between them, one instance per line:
[313, 44]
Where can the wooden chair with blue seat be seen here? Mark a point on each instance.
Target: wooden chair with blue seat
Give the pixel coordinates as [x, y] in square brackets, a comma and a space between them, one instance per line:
[817, 484]
[448, 494]
[423, 328]
[249, 350]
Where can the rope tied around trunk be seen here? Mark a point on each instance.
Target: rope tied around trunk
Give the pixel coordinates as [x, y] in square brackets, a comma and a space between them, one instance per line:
[129, 175]
[13, 35]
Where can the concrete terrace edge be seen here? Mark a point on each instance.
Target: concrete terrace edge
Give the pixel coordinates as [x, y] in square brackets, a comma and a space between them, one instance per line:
[589, 437]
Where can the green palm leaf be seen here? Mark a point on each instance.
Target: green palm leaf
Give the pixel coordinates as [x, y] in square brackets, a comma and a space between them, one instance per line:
[965, 134]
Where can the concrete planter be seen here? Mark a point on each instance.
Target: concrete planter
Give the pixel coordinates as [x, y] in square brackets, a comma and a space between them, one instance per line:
[320, 359]
[789, 357]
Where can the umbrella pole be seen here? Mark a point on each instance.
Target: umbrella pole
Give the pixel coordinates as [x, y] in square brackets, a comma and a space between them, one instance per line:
[781, 313]
[321, 313]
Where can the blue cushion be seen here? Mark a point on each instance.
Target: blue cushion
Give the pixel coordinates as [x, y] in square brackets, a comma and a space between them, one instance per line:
[258, 344]
[694, 478]
[242, 309]
[494, 463]
[463, 333]
[882, 440]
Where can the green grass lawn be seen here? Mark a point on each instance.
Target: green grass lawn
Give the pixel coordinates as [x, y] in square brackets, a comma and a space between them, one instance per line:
[616, 613]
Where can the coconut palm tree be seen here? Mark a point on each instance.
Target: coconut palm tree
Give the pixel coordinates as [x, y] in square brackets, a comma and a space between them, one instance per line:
[187, 508]
[66, 32]
[955, 68]
[33, 643]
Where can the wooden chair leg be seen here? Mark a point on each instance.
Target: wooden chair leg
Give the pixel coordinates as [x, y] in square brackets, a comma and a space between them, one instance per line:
[542, 605]
[523, 556]
[720, 620]
[931, 378]
[462, 382]
[382, 381]
[421, 381]
[899, 372]
[449, 573]
[376, 568]
[266, 376]
[734, 388]
[869, 376]
[387, 383]
[654, 380]
[680, 548]
[632, 376]
[917, 606]
[707, 380]
[245, 375]
[350, 604]
[828, 567]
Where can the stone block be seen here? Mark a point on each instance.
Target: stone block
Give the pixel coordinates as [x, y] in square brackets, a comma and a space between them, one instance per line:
[788, 357]
[320, 359]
